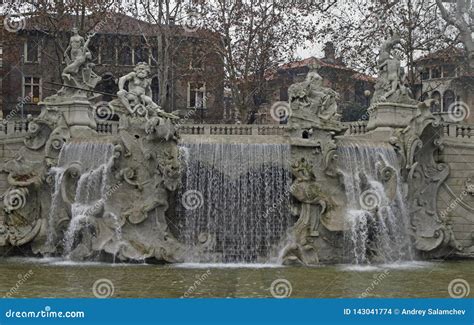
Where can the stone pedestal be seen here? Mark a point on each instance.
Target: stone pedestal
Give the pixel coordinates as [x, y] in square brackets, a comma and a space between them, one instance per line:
[391, 115]
[78, 115]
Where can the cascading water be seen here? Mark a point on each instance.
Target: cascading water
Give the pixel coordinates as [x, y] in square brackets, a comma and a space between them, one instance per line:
[376, 212]
[93, 159]
[235, 201]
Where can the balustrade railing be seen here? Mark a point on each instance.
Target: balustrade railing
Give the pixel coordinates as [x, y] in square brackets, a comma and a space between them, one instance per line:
[356, 128]
[452, 130]
[465, 131]
[232, 129]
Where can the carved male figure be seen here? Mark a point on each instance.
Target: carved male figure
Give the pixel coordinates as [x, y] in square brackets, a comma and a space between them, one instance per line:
[139, 89]
[389, 66]
[79, 54]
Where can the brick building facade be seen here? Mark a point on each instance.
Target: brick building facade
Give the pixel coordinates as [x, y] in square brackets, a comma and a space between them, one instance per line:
[350, 84]
[445, 77]
[33, 61]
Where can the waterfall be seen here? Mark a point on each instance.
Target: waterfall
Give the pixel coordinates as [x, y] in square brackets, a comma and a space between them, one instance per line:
[376, 213]
[91, 187]
[234, 202]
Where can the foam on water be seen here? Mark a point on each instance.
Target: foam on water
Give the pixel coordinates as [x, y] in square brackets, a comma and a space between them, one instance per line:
[408, 265]
[227, 265]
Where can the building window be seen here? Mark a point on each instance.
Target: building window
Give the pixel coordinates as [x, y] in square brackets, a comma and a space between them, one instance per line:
[155, 90]
[448, 99]
[435, 72]
[284, 94]
[449, 71]
[95, 53]
[436, 107]
[125, 56]
[154, 53]
[141, 55]
[425, 74]
[31, 51]
[197, 95]
[32, 89]
[107, 55]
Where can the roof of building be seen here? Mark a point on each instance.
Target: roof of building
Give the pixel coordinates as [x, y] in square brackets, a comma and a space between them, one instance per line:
[322, 64]
[108, 23]
[445, 54]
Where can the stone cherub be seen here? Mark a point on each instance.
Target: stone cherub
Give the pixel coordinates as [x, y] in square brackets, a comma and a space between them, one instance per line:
[138, 98]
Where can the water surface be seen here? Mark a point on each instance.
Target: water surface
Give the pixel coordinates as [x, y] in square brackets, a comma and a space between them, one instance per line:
[60, 278]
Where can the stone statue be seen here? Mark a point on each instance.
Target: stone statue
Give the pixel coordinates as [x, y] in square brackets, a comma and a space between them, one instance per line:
[390, 85]
[138, 98]
[78, 77]
[311, 103]
[311, 205]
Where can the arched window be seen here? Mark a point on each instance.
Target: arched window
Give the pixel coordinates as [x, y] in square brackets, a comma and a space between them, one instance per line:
[448, 99]
[155, 89]
[125, 56]
[436, 107]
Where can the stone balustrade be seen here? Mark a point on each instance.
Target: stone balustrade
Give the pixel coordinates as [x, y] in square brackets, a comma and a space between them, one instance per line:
[458, 130]
[13, 128]
[233, 129]
[20, 128]
[356, 128]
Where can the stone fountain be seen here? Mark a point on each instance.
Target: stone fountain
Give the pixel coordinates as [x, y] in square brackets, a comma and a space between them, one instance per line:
[323, 195]
[89, 197]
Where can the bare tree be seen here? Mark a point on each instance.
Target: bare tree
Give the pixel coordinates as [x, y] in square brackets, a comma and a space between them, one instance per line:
[163, 14]
[51, 19]
[255, 36]
[462, 18]
[360, 26]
